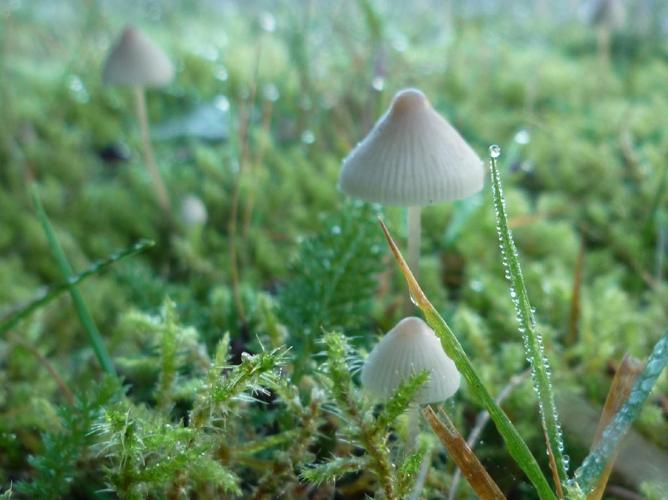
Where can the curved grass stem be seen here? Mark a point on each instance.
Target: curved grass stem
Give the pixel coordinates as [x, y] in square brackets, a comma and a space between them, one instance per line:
[56, 290]
[533, 343]
[66, 270]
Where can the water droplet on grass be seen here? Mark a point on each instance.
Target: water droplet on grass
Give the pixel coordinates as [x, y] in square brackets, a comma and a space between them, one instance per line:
[308, 137]
[522, 137]
[268, 22]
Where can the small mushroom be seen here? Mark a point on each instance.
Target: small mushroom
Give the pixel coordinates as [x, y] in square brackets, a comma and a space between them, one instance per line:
[412, 157]
[136, 61]
[193, 211]
[409, 348]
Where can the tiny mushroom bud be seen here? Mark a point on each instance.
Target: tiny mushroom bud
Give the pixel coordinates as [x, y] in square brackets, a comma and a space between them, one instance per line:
[136, 60]
[411, 157]
[193, 211]
[409, 348]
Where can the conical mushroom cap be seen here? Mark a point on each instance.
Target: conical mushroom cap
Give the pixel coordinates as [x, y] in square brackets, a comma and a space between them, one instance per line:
[411, 157]
[409, 348]
[136, 60]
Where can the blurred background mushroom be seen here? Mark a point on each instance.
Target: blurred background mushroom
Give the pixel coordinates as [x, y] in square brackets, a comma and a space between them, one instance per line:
[136, 61]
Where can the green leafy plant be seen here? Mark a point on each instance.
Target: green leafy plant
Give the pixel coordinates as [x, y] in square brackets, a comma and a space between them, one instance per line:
[364, 431]
[336, 270]
[56, 467]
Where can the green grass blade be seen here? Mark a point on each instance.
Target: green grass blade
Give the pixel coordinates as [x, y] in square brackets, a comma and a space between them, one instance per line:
[592, 467]
[54, 291]
[533, 343]
[516, 446]
[66, 270]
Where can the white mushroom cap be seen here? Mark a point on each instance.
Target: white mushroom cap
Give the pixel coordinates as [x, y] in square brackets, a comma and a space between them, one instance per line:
[136, 60]
[411, 157]
[409, 348]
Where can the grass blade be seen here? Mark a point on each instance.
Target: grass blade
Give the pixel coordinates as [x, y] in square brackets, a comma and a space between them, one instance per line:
[517, 448]
[474, 472]
[620, 389]
[54, 291]
[592, 467]
[481, 422]
[66, 270]
[533, 343]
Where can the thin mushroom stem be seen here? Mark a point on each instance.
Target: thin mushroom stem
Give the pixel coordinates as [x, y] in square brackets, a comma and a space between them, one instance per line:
[149, 156]
[411, 443]
[422, 477]
[414, 238]
[413, 427]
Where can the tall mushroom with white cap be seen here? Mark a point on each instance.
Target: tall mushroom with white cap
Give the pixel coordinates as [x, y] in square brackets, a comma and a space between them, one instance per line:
[136, 61]
[406, 350]
[412, 157]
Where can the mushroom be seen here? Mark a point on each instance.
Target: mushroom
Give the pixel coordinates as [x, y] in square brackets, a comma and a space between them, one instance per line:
[136, 61]
[193, 211]
[412, 157]
[407, 349]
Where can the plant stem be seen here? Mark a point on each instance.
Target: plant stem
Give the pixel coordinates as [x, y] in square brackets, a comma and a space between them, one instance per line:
[414, 239]
[620, 388]
[593, 466]
[55, 291]
[516, 446]
[533, 343]
[413, 427]
[460, 452]
[66, 270]
[149, 156]
[481, 422]
[45, 362]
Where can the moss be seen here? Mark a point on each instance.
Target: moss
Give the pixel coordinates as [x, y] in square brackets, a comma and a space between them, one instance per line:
[590, 174]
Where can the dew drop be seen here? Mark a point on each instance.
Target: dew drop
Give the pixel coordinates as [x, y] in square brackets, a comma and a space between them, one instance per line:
[495, 151]
[270, 92]
[222, 103]
[522, 137]
[378, 83]
[308, 137]
[268, 22]
[221, 74]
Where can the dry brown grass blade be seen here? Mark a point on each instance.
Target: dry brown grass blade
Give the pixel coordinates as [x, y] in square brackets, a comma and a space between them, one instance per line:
[474, 472]
[619, 391]
[417, 295]
[482, 420]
